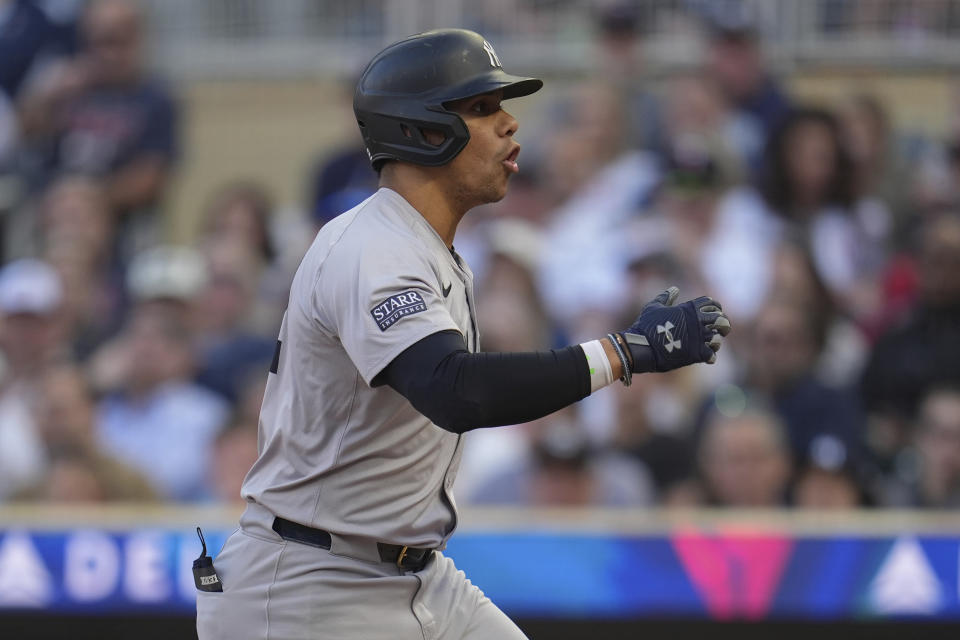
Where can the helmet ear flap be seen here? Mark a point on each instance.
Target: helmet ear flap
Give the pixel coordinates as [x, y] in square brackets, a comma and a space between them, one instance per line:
[427, 137]
[393, 137]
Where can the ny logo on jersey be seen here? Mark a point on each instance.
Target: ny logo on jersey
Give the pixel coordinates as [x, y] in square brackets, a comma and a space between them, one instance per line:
[494, 60]
[667, 329]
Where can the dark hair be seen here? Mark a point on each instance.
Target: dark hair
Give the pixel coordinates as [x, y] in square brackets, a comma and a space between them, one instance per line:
[256, 197]
[775, 183]
[820, 311]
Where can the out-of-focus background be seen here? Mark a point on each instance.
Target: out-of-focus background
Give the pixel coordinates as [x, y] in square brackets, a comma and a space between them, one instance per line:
[164, 165]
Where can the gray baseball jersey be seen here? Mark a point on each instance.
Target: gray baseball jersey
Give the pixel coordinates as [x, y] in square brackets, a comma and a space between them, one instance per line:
[335, 452]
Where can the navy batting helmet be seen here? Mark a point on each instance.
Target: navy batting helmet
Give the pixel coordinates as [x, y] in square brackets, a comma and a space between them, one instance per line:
[406, 86]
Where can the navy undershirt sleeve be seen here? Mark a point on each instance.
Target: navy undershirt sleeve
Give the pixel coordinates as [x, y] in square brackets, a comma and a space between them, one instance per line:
[460, 391]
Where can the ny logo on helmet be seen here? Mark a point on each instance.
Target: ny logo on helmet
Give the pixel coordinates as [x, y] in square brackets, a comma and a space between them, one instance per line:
[494, 60]
[667, 329]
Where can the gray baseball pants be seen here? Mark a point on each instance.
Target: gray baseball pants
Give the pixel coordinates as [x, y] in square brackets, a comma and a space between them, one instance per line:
[274, 589]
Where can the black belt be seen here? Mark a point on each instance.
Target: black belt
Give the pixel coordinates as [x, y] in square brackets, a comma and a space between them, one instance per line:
[407, 558]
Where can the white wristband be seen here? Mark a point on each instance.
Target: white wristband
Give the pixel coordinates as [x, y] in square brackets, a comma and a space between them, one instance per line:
[601, 373]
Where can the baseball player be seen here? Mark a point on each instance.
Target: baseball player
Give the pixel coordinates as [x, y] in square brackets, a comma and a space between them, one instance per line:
[378, 374]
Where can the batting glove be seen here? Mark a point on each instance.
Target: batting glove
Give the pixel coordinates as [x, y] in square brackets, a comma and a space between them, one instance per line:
[666, 337]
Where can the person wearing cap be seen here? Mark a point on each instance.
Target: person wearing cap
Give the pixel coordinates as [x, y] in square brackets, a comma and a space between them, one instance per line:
[735, 62]
[378, 374]
[828, 478]
[30, 340]
[562, 468]
[155, 417]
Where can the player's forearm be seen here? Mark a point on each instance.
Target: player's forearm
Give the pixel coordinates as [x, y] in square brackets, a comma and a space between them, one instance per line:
[461, 391]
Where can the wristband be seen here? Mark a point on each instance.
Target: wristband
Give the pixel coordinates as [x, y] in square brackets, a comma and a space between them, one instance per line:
[627, 377]
[601, 373]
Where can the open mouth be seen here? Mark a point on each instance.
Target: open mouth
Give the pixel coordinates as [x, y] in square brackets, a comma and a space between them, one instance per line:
[510, 162]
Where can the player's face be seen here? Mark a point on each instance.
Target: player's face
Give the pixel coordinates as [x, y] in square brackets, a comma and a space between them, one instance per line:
[479, 174]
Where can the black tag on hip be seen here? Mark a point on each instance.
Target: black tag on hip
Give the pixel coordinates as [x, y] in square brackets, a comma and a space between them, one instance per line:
[204, 575]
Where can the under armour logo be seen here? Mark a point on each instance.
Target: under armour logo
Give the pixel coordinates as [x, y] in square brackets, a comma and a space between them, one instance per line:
[667, 329]
[494, 60]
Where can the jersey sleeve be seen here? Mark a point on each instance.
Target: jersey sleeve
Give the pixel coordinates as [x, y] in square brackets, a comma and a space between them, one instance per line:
[380, 301]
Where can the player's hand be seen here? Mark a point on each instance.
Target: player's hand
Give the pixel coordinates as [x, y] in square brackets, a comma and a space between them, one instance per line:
[666, 337]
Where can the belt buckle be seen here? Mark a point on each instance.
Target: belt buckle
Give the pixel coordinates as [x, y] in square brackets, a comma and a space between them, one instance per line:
[401, 556]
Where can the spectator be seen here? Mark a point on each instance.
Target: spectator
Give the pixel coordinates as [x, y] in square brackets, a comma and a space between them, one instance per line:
[647, 416]
[828, 478]
[512, 317]
[697, 111]
[28, 39]
[563, 470]
[619, 26]
[234, 452]
[794, 277]
[735, 61]
[77, 231]
[242, 213]
[170, 277]
[77, 469]
[607, 185]
[744, 460]
[103, 115]
[929, 473]
[342, 177]
[807, 195]
[715, 246]
[785, 346]
[228, 351]
[339, 182]
[31, 295]
[157, 419]
[879, 169]
[924, 350]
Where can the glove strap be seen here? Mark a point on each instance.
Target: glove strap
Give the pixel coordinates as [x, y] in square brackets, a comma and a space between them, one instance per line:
[641, 352]
[627, 377]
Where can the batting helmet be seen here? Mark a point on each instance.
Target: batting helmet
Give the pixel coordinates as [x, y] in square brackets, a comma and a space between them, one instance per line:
[405, 88]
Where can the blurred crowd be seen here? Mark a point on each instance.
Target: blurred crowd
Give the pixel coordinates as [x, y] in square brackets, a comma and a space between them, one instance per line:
[133, 369]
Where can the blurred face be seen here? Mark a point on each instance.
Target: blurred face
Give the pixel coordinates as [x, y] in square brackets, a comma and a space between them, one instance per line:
[863, 133]
[743, 462]
[694, 106]
[235, 453]
[783, 345]
[819, 489]
[793, 277]
[480, 172]
[65, 414]
[735, 63]
[73, 481]
[691, 210]
[811, 161]
[940, 264]
[240, 223]
[158, 352]
[597, 117]
[234, 272]
[939, 440]
[28, 341]
[111, 31]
